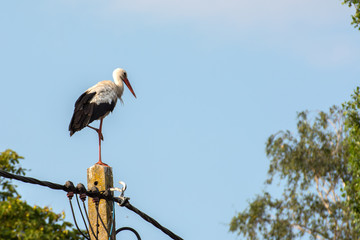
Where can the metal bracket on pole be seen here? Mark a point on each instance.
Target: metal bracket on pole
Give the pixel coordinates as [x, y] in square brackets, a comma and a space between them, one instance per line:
[121, 190]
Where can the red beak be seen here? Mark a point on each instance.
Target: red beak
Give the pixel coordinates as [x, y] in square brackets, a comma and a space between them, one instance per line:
[126, 81]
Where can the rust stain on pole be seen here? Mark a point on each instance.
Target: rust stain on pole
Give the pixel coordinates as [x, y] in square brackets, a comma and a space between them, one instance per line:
[101, 177]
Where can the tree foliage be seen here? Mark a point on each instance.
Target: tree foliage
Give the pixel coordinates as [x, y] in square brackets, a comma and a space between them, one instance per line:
[9, 161]
[18, 219]
[352, 123]
[356, 16]
[312, 167]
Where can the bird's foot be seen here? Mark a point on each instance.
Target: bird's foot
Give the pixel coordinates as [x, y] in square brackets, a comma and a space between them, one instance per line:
[101, 163]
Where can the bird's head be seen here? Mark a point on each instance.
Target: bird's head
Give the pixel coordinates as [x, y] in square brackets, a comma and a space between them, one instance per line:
[121, 73]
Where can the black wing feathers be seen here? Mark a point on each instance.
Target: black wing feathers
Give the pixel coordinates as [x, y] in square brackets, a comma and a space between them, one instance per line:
[82, 113]
[101, 110]
[86, 112]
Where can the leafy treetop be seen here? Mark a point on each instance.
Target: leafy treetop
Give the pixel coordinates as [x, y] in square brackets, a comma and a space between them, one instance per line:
[356, 16]
[19, 220]
[312, 167]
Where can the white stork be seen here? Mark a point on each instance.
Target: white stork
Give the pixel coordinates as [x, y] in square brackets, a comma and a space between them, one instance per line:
[97, 102]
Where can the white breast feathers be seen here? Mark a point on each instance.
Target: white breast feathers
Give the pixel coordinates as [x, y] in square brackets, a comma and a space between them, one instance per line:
[105, 92]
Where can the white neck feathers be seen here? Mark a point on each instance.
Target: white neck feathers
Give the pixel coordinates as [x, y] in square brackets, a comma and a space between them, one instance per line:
[119, 83]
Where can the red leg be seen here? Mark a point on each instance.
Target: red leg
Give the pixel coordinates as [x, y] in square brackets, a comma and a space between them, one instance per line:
[97, 130]
[100, 138]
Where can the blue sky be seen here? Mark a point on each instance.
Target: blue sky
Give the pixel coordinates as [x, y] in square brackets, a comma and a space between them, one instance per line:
[213, 78]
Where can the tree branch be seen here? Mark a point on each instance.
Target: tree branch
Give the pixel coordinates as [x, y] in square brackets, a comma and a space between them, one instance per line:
[304, 229]
[321, 195]
[338, 132]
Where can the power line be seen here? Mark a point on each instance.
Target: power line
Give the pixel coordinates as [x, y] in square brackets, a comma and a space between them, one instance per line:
[80, 189]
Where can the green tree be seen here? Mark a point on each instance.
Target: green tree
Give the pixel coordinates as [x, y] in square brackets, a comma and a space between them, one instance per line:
[312, 168]
[19, 220]
[356, 16]
[352, 123]
[9, 161]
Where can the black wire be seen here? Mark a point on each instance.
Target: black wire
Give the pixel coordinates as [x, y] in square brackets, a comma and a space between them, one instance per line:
[152, 221]
[102, 222]
[72, 210]
[130, 229]
[122, 202]
[87, 217]
[33, 181]
[97, 226]
[82, 215]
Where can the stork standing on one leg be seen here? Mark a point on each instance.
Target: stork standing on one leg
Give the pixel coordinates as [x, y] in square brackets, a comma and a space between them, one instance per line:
[97, 102]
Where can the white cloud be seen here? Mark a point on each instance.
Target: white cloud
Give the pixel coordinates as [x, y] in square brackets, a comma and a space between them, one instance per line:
[242, 13]
[317, 31]
[302, 28]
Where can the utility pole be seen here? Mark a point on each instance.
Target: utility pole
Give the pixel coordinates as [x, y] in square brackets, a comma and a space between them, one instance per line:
[101, 177]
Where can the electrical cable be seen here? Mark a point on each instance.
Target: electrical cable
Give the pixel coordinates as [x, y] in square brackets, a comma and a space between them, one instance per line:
[69, 187]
